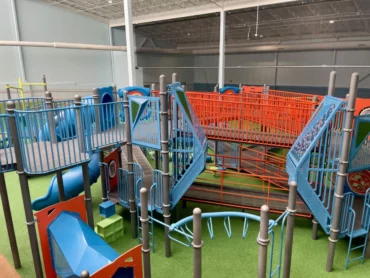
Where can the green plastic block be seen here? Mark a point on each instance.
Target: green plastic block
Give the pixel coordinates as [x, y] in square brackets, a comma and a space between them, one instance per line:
[110, 228]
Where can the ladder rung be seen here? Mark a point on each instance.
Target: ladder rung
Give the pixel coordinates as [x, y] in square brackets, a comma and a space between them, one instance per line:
[357, 247]
[354, 259]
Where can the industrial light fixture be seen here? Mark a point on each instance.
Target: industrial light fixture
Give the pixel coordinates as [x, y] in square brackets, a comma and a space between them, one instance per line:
[110, 1]
[188, 34]
[331, 21]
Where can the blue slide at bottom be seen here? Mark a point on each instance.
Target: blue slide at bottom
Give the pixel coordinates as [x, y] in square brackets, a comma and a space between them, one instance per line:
[76, 247]
[73, 184]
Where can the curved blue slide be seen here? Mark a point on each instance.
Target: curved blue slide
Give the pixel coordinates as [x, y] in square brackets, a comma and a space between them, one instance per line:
[73, 184]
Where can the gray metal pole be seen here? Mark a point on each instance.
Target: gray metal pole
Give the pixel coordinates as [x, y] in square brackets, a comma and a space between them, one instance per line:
[197, 242]
[88, 199]
[165, 161]
[152, 87]
[130, 166]
[60, 186]
[9, 222]
[315, 227]
[97, 116]
[80, 133]
[45, 84]
[103, 178]
[116, 108]
[26, 196]
[144, 218]
[8, 94]
[49, 105]
[215, 89]
[263, 241]
[331, 88]
[174, 77]
[342, 172]
[292, 204]
[85, 274]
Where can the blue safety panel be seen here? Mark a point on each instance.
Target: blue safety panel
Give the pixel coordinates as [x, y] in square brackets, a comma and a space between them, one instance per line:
[314, 159]
[76, 247]
[360, 145]
[229, 88]
[310, 135]
[145, 121]
[188, 145]
[134, 90]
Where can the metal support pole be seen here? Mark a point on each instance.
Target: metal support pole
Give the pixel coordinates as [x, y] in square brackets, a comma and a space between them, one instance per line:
[129, 42]
[85, 274]
[130, 166]
[221, 63]
[88, 199]
[315, 227]
[26, 196]
[120, 162]
[197, 242]
[103, 177]
[331, 87]
[342, 172]
[45, 85]
[174, 77]
[144, 219]
[80, 133]
[292, 204]
[152, 88]
[9, 222]
[49, 105]
[60, 186]
[97, 112]
[263, 241]
[8, 94]
[165, 161]
[116, 108]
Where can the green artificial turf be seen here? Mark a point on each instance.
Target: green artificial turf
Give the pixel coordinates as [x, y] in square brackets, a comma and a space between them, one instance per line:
[222, 256]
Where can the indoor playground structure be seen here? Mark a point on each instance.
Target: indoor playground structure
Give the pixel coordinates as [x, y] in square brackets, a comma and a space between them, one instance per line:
[81, 140]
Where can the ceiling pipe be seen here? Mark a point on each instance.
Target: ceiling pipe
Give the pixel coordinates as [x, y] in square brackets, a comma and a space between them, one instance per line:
[340, 45]
[63, 45]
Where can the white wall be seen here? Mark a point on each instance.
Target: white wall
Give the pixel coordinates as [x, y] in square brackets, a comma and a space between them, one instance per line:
[64, 68]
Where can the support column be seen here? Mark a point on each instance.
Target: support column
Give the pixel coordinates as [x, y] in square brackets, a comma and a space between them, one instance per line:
[165, 161]
[8, 94]
[292, 203]
[221, 63]
[130, 166]
[129, 42]
[331, 87]
[45, 85]
[197, 242]
[263, 241]
[342, 172]
[315, 227]
[9, 222]
[60, 186]
[88, 199]
[80, 133]
[144, 218]
[103, 178]
[96, 107]
[26, 196]
[49, 105]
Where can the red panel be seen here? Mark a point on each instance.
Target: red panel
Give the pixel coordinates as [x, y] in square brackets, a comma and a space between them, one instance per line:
[135, 93]
[131, 258]
[361, 105]
[46, 216]
[112, 161]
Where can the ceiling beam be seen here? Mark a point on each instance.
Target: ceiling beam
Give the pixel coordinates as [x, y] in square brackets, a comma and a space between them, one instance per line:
[198, 10]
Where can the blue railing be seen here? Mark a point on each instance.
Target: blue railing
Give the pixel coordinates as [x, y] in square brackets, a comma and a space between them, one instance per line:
[314, 158]
[63, 103]
[188, 145]
[72, 132]
[25, 104]
[359, 158]
[123, 189]
[6, 149]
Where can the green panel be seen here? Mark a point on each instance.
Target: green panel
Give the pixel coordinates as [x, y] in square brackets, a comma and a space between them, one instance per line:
[363, 131]
[134, 110]
[184, 103]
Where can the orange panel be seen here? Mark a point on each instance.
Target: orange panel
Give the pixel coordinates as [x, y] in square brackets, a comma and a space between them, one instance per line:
[131, 258]
[45, 217]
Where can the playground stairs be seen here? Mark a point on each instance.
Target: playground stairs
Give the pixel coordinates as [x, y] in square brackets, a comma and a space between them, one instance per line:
[313, 162]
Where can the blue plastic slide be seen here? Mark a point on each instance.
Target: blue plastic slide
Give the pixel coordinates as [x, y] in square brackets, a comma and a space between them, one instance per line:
[76, 247]
[73, 184]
